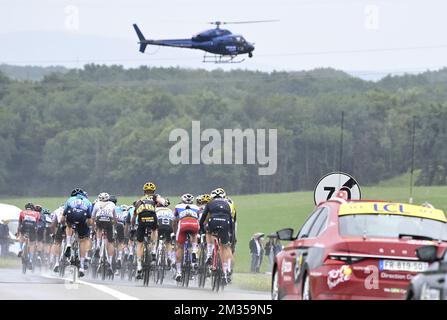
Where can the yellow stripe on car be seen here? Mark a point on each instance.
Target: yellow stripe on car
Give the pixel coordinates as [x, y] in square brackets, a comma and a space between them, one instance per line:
[402, 209]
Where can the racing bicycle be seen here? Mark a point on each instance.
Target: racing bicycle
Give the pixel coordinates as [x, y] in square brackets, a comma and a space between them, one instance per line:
[103, 265]
[161, 262]
[217, 275]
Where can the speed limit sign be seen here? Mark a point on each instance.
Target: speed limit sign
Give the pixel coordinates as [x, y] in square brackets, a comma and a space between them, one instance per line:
[330, 184]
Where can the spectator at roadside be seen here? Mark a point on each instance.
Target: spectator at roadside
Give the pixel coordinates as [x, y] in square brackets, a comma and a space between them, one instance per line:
[4, 239]
[261, 255]
[269, 249]
[256, 251]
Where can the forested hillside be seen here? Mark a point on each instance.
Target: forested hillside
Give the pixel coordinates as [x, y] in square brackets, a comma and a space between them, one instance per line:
[108, 127]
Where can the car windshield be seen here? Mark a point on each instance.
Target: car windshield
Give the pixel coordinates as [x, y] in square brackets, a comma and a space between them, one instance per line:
[391, 226]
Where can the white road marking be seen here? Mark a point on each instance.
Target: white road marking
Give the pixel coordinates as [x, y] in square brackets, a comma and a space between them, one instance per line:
[114, 293]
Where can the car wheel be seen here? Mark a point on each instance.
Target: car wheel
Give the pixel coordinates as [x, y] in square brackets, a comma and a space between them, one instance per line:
[306, 295]
[275, 286]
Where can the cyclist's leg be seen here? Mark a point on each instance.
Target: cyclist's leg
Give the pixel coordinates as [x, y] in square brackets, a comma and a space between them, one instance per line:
[209, 245]
[154, 235]
[140, 239]
[110, 244]
[225, 248]
[83, 234]
[21, 241]
[32, 234]
[194, 231]
[180, 240]
[120, 243]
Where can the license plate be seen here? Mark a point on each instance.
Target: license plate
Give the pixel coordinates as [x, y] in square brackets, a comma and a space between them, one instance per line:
[399, 265]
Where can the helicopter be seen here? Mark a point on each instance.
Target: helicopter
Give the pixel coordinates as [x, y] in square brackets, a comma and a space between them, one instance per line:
[223, 45]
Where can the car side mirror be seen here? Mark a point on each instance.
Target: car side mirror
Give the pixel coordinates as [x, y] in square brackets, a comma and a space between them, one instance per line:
[427, 253]
[285, 234]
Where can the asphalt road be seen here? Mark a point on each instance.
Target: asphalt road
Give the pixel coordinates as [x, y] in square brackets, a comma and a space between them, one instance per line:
[15, 285]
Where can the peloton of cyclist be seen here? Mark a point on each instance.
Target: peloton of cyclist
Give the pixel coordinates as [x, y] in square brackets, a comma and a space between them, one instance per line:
[147, 220]
[77, 213]
[187, 221]
[220, 223]
[104, 217]
[28, 219]
[165, 222]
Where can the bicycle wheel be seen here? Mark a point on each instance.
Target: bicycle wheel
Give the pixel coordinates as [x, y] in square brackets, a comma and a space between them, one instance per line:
[146, 267]
[162, 268]
[217, 273]
[187, 265]
[202, 267]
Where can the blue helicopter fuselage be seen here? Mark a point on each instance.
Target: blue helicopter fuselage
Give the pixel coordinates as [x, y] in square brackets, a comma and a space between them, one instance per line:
[217, 41]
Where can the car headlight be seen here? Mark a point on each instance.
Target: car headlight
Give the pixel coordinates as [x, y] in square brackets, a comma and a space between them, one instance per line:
[428, 293]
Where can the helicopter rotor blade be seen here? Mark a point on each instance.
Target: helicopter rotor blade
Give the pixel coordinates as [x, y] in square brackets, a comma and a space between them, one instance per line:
[240, 22]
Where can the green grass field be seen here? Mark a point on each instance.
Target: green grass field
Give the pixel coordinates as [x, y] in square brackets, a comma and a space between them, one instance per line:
[270, 212]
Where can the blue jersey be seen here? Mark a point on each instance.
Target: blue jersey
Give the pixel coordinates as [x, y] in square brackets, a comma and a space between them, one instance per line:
[78, 206]
[122, 216]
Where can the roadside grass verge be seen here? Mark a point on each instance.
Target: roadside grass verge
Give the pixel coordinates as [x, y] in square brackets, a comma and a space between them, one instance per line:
[252, 281]
[8, 262]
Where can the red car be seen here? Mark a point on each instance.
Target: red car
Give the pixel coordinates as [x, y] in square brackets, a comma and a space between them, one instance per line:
[356, 250]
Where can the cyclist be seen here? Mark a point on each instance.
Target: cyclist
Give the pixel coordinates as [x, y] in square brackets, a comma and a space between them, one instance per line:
[165, 222]
[78, 213]
[234, 230]
[220, 223]
[28, 219]
[187, 221]
[58, 231]
[132, 232]
[43, 233]
[122, 227]
[41, 224]
[104, 217]
[147, 220]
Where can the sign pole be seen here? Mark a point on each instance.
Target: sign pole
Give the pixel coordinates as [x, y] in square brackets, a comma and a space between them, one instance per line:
[412, 159]
[340, 161]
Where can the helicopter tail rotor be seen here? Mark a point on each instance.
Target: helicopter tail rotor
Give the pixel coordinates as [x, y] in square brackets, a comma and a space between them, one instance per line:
[143, 40]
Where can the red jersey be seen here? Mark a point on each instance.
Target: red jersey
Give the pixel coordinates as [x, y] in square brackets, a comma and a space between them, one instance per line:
[29, 216]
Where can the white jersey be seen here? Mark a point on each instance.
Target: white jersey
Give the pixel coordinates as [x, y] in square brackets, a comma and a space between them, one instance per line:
[165, 216]
[183, 210]
[104, 211]
[56, 215]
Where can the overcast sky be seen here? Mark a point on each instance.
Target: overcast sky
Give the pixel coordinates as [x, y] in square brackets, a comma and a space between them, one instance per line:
[372, 36]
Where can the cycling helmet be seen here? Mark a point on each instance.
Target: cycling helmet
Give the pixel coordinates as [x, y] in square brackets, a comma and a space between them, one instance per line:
[218, 193]
[125, 207]
[199, 199]
[206, 198]
[46, 211]
[77, 191]
[149, 186]
[38, 207]
[103, 197]
[29, 206]
[188, 198]
[114, 199]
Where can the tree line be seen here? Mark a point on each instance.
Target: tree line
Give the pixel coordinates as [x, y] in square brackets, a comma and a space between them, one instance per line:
[107, 128]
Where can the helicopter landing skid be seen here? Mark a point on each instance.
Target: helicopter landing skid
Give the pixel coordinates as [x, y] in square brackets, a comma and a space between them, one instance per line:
[215, 58]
